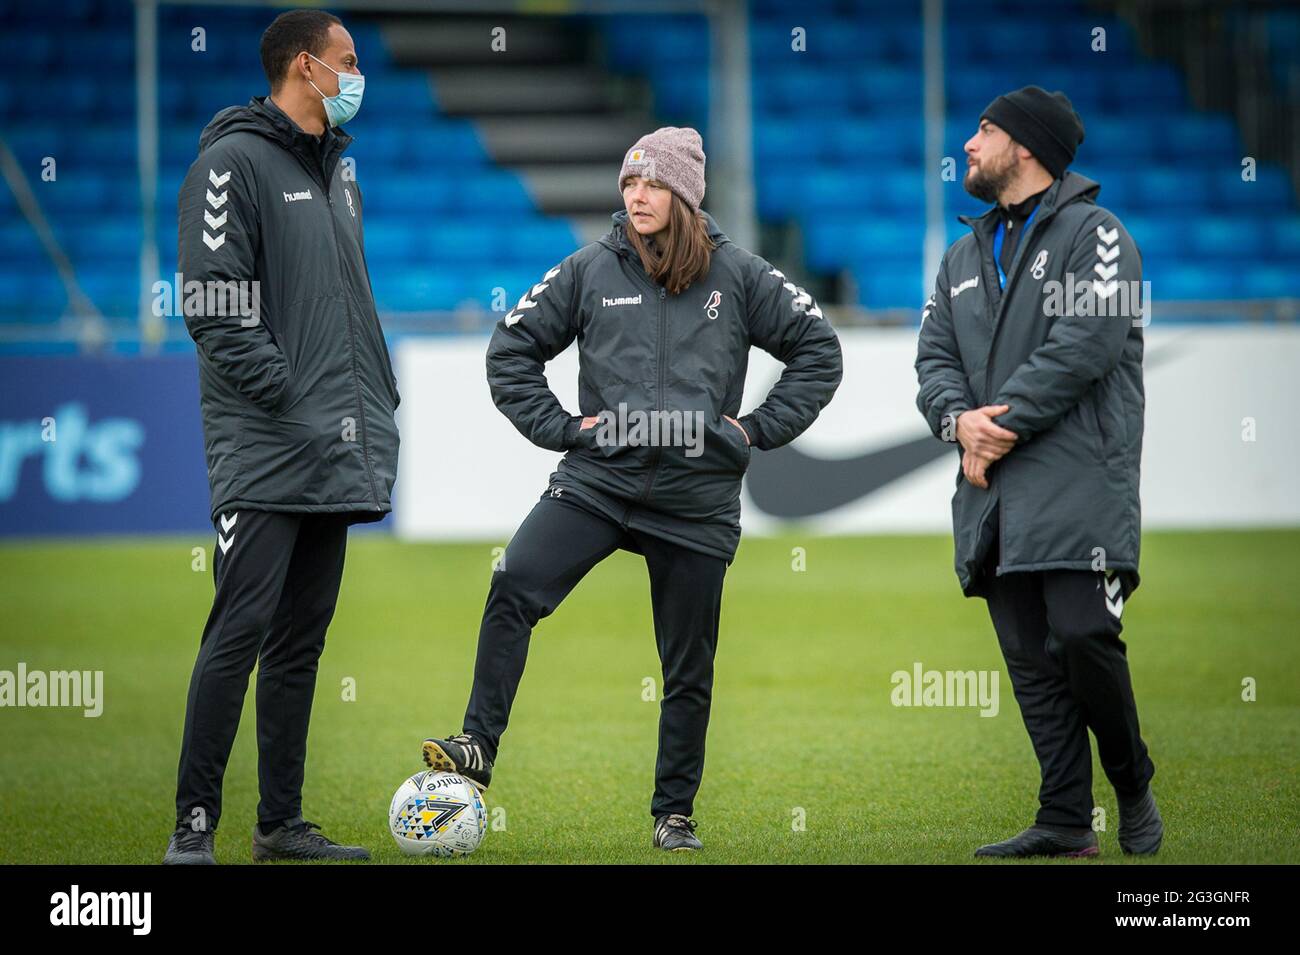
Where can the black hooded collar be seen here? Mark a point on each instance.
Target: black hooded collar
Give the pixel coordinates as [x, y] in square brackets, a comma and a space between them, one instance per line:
[263, 117]
[1070, 188]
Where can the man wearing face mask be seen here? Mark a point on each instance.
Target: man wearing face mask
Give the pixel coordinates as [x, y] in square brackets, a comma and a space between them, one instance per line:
[298, 399]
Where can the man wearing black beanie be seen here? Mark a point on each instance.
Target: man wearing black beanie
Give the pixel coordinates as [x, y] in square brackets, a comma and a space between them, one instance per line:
[1029, 358]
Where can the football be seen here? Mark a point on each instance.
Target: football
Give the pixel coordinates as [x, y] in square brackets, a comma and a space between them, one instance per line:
[437, 814]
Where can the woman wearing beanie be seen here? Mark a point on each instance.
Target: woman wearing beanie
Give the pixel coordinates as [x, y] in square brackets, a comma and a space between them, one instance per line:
[664, 309]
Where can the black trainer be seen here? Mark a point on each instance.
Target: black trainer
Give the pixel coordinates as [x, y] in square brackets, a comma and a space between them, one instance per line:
[1141, 829]
[676, 833]
[460, 754]
[295, 840]
[1045, 841]
[190, 847]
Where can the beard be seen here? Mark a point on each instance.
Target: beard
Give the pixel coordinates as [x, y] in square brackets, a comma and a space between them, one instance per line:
[986, 183]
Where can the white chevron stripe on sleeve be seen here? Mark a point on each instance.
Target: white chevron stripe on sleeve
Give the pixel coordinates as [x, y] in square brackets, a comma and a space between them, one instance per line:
[526, 300]
[1107, 266]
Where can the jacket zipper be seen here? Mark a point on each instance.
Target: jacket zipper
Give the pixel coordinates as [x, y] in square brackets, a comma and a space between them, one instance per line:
[659, 397]
[1017, 262]
[352, 338]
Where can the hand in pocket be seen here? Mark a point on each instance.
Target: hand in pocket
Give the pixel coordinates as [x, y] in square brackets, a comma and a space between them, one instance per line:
[739, 426]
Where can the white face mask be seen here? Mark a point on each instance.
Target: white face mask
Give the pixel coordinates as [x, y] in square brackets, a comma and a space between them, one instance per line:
[340, 108]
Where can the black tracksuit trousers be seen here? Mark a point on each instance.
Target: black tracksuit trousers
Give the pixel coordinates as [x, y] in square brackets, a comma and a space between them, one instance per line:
[1059, 632]
[277, 579]
[553, 549]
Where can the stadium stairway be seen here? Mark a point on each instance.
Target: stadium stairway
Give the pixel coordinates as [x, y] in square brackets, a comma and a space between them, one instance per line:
[544, 107]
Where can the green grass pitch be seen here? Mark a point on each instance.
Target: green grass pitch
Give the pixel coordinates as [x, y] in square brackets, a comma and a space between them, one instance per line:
[808, 760]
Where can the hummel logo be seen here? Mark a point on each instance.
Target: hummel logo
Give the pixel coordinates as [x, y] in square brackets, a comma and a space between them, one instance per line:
[958, 289]
[607, 302]
[222, 541]
[803, 302]
[1108, 266]
[1114, 598]
[215, 242]
[295, 196]
[525, 302]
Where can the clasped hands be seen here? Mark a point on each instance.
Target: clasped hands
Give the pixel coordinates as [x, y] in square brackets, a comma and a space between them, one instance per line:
[983, 441]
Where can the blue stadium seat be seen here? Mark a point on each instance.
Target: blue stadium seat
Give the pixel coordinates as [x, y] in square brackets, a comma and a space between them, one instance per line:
[796, 140]
[893, 284]
[1110, 139]
[1183, 136]
[405, 194]
[889, 140]
[779, 191]
[1270, 191]
[447, 142]
[32, 296]
[1157, 236]
[1269, 281]
[886, 89]
[1284, 237]
[681, 95]
[831, 244]
[1170, 187]
[490, 192]
[838, 146]
[1227, 237]
[1199, 281]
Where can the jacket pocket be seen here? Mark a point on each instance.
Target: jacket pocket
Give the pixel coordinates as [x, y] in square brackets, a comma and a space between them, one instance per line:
[1090, 420]
[1114, 420]
[738, 441]
[701, 481]
[289, 398]
[602, 440]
